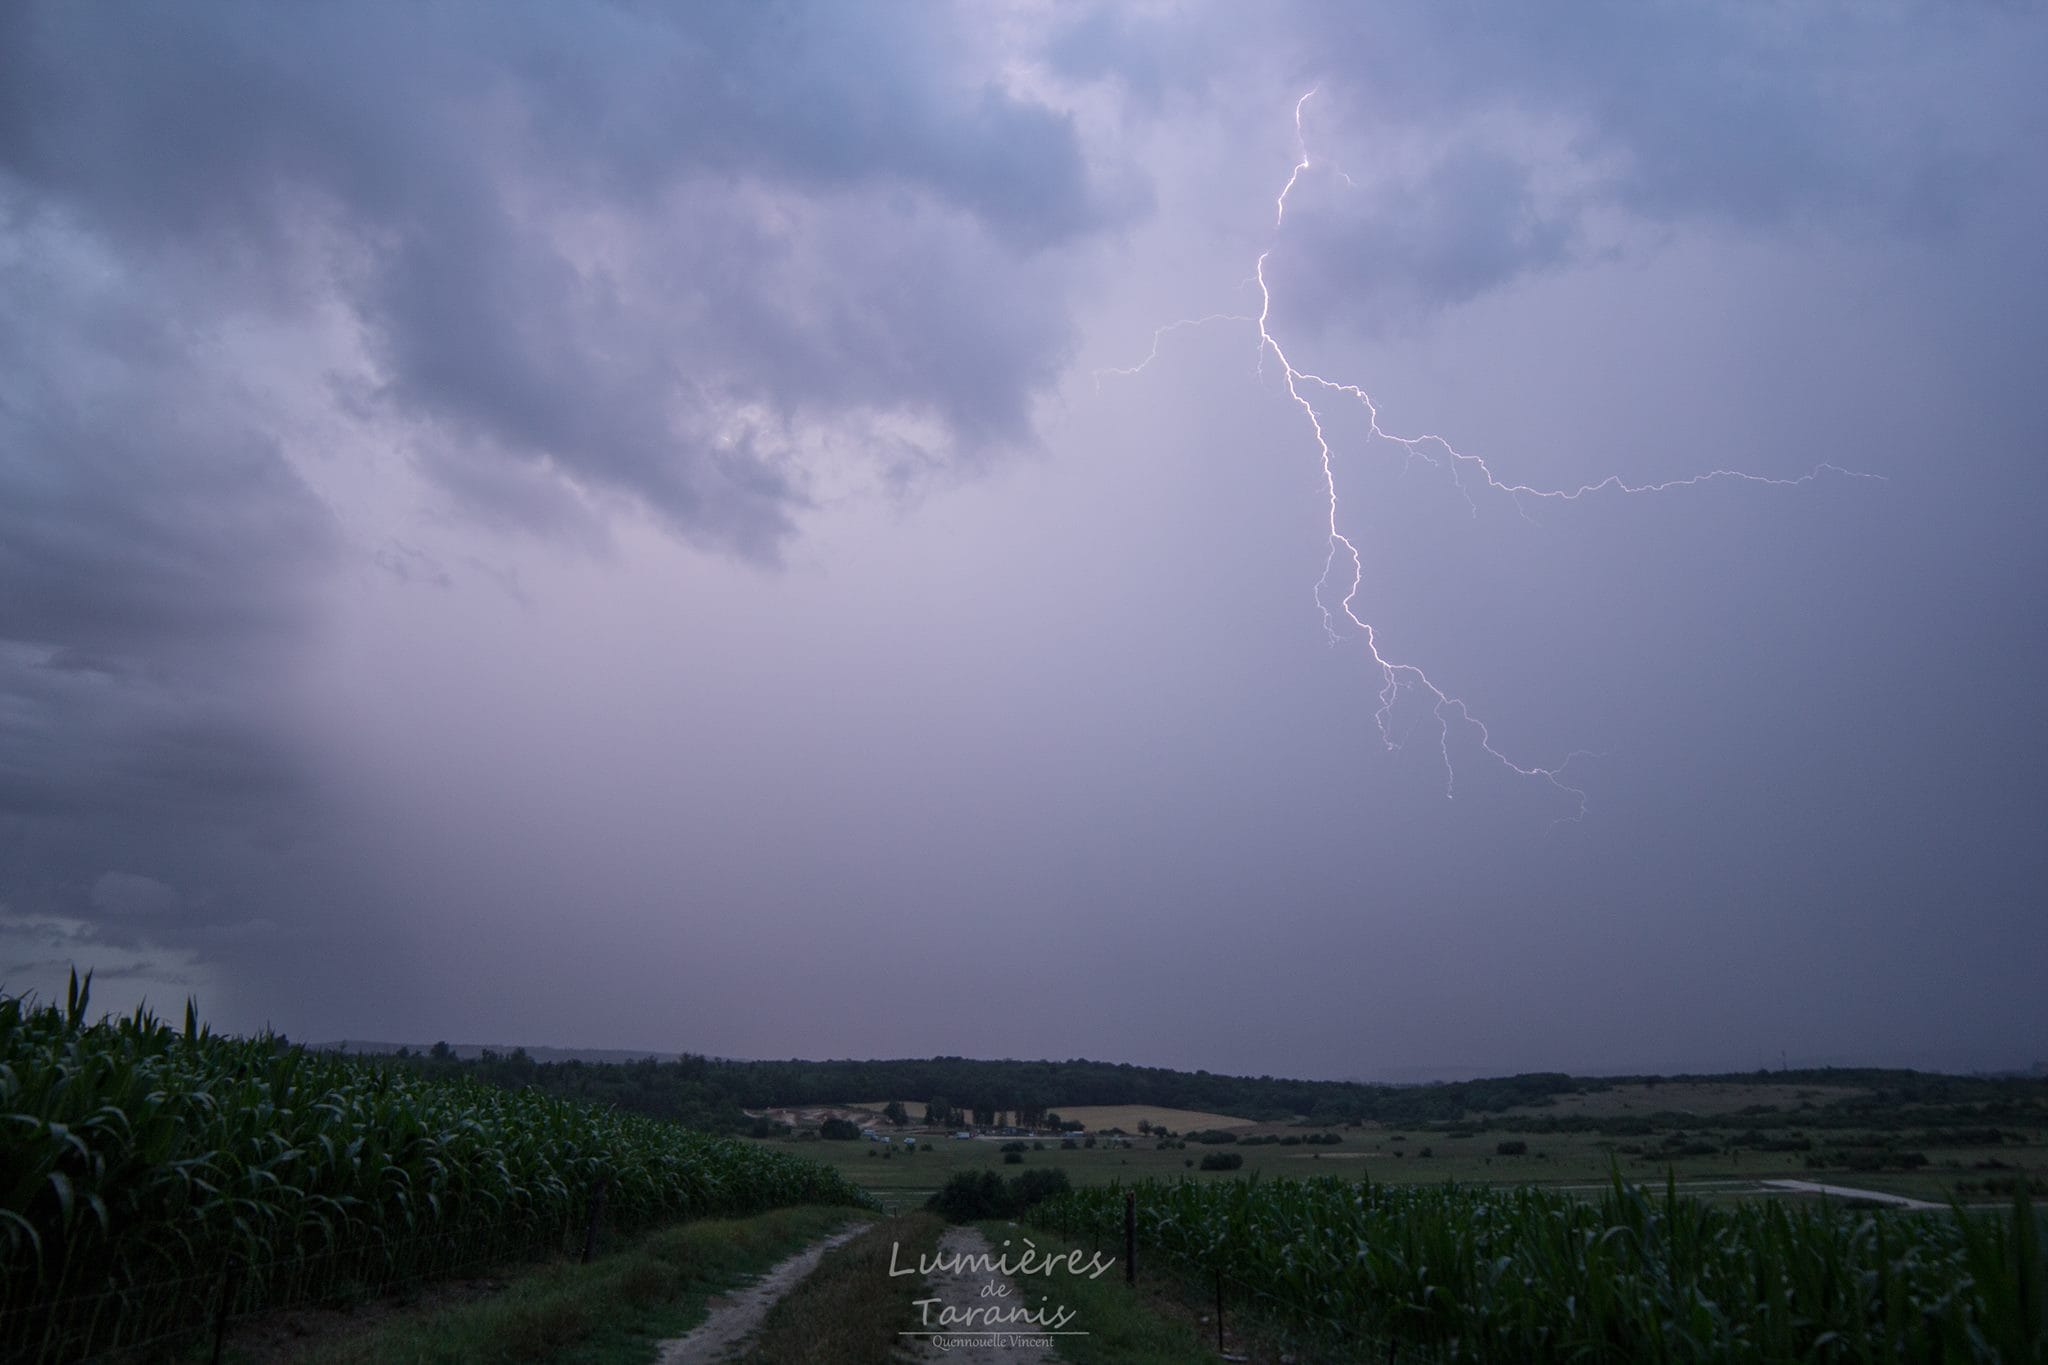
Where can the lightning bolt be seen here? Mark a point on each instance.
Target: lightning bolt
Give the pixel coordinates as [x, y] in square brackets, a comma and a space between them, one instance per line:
[1466, 472]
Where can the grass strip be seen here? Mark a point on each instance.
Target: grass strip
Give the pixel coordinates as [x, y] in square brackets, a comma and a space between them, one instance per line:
[850, 1310]
[610, 1312]
[1122, 1327]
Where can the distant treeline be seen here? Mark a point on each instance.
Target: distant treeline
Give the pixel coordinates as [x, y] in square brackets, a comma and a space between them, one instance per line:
[706, 1093]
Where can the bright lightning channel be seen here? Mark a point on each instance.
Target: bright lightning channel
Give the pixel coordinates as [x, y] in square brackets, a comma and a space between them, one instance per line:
[1396, 675]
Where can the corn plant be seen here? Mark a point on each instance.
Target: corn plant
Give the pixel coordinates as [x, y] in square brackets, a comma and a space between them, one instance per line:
[1449, 1273]
[135, 1156]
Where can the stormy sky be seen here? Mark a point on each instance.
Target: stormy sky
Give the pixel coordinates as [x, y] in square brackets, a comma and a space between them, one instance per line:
[678, 527]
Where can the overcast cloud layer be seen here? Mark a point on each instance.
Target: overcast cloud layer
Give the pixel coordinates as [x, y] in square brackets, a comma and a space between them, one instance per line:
[647, 527]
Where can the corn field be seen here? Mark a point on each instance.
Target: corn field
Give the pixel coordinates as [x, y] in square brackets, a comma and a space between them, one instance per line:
[142, 1165]
[1372, 1272]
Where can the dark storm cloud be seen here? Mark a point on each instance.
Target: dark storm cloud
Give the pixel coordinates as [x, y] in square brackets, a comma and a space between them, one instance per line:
[651, 251]
[1471, 222]
[688, 256]
[1503, 138]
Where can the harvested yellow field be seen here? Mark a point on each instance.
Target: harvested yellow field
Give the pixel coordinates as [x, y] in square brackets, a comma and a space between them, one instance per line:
[1127, 1117]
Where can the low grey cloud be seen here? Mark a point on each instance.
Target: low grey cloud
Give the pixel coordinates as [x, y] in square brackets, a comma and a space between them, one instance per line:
[161, 560]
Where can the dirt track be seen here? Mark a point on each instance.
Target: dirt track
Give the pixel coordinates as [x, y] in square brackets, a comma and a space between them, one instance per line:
[735, 1316]
[1845, 1192]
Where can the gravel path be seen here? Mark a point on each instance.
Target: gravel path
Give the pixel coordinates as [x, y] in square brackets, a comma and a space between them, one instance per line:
[735, 1316]
[1845, 1192]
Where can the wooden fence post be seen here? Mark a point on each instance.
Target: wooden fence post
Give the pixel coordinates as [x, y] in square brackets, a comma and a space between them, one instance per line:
[1219, 1310]
[1131, 1238]
[597, 1194]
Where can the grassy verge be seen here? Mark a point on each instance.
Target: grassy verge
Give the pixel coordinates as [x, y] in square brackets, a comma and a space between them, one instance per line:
[850, 1310]
[609, 1312]
[1151, 1326]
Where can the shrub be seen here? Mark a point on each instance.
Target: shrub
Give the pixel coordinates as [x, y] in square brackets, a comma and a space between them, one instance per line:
[1222, 1161]
[1512, 1147]
[973, 1195]
[1035, 1186]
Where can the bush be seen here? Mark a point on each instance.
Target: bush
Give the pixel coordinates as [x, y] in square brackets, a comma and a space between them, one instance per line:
[973, 1195]
[1222, 1161]
[1512, 1147]
[839, 1130]
[1035, 1187]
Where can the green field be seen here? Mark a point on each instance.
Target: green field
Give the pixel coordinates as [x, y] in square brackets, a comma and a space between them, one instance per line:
[1422, 1156]
[1343, 1271]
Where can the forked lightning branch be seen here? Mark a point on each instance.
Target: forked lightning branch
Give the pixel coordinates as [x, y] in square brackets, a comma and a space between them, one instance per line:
[1337, 590]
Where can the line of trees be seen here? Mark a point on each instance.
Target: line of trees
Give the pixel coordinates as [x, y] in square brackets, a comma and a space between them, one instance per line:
[707, 1093]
